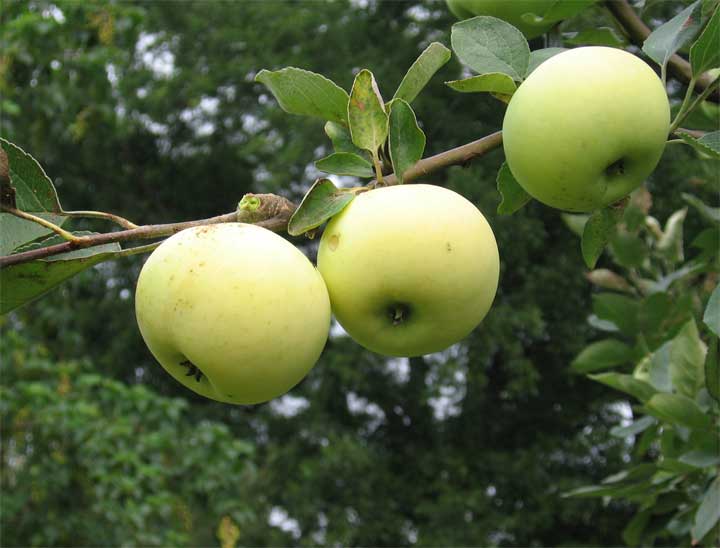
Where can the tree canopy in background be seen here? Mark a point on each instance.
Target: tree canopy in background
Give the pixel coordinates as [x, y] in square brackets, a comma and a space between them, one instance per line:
[151, 111]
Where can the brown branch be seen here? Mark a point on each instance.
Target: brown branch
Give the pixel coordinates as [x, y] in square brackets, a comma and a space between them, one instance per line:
[453, 157]
[273, 213]
[638, 31]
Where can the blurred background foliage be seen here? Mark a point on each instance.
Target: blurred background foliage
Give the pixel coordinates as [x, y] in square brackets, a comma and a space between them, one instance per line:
[149, 110]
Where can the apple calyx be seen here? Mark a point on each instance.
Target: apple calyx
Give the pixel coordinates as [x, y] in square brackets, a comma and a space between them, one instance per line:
[398, 313]
[616, 168]
[193, 370]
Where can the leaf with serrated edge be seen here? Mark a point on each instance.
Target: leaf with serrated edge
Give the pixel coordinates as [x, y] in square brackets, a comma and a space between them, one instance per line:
[709, 144]
[321, 202]
[306, 93]
[22, 283]
[34, 191]
[366, 113]
[345, 163]
[665, 40]
[513, 195]
[687, 360]
[705, 52]
[406, 139]
[597, 232]
[486, 44]
[418, 75]
[494, 82]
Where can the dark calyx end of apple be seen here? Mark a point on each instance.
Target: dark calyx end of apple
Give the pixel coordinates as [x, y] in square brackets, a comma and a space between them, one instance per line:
[616, 168]
[398, 313]
[193, 370]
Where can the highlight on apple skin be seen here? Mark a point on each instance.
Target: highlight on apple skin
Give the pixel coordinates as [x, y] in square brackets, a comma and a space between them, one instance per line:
[233, 312]
[511, 11]
[411, 269]
[586, 128]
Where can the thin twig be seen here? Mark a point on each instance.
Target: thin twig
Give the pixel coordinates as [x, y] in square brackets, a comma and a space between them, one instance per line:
[121, 221]
[42, 222]
[682, 114]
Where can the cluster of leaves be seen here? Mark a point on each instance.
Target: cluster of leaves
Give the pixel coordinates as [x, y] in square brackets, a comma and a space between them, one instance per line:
[370, 137]
[661, 315]
[30, 190]
[89, 460]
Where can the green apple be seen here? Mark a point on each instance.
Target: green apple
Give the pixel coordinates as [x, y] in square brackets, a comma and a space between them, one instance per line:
[586, 128]
[411, 269]
[507, 10]
[233, 311]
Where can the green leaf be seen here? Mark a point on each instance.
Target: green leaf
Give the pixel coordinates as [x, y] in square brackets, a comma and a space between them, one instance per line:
[712, 370]
[687, 361]
[576, 223]
[367, 118]
[620, 310]
[493, 82]
[626, 383]
[655, 369]
[705, 52]
[407, 140]
[513, 195]
[487, 44]
[700, 458]
[539, 56]
[598, 230]
[22, 283]
[665, 40]
[633, 429]
[709, 512]
[602, 355]
[422, 70]
[306, 93]
[559, 10]
[678, 409]
[33, 192]
[633, 532]
[708, 144]
[321, 202]
[602, 36]
[345, 163]
[340, 137]
[711, 214]
[712, 312]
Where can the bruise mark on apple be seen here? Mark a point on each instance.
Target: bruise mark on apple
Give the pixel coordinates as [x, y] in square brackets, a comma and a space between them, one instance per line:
[193, 370]
[448, 246]
[334, 242]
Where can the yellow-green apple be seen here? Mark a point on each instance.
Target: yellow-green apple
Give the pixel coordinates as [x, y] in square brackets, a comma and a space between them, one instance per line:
[586, 128]
[233, 311]
[507, 10]
[411, 269]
